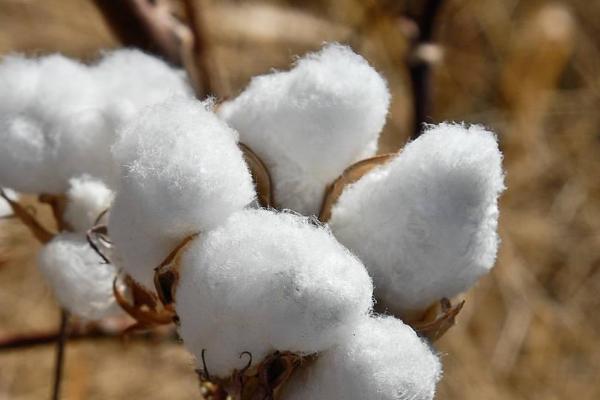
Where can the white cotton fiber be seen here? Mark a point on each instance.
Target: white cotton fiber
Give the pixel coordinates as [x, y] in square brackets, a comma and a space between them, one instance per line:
[5, 208]
[425, 223]
[87, 198]
[58, 118]
[267, 281]
[382, 359]
[131, 79]
[181, 173]
[79, 279]
[310, 123]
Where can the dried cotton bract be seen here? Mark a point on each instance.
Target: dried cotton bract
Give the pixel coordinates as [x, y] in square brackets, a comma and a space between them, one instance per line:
[267, 281]
[425, 223]
[79, 279]
[310, 123]
[87, 198]
[181, 173]
[382, 359]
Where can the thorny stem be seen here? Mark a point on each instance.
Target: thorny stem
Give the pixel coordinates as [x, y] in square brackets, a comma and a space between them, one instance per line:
[420, 67]
[60, 353]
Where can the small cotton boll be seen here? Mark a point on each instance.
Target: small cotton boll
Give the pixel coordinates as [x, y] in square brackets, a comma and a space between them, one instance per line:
[131, 80]
[425, 223]
[182, 172]
[87, 198]
[312, 122]
[266, 281]
[383, 359]
[79, 279]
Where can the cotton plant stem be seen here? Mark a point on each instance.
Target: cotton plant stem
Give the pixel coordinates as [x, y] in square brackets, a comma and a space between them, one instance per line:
[420, 65]
[60, 354]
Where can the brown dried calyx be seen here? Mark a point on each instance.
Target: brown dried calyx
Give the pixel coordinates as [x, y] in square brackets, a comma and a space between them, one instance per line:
[260, 382]
[28, 219]
[260, 175]
[436, 320]
[350, 175]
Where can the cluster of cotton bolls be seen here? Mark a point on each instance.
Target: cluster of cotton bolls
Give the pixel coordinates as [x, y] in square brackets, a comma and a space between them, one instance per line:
[58, 121]
[416, 229]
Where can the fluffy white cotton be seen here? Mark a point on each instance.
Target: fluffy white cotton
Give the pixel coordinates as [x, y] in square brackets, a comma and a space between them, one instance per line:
[87, 198]
[266, 281]
[79, 279]
[425, 223]
[182, 173]
[383, 359]
[58, 118]
[132, 79]
[312, 122]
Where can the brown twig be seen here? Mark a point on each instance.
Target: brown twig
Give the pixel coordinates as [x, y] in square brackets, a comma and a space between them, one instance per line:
[420, 60]
[60, 354]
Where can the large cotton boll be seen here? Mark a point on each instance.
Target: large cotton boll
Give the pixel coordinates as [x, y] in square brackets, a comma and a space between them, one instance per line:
[425, 223]
[182, 172]
[312, 122]
[87, 198]
[266, 281]
[131, 80]
[78, 277]
[50, 124]
[383, 359]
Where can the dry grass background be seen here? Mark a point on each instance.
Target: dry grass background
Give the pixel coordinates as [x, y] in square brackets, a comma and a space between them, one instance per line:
[529, 69]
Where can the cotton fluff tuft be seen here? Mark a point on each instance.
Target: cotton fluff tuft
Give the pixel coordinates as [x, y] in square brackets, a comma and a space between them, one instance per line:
[425, 223]
[132, 79]
[79, 279]
[181, 173]
[87, 198]
[383, 359]
[58, 118]
[310, 123]
[267, 281]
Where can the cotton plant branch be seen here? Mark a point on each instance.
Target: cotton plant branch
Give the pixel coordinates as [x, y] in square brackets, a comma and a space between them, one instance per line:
[422, 55]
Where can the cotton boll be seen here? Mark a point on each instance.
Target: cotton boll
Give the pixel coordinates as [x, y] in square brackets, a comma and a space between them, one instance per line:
[266, 281]
[425, 223]
[182, 172]
[312, 122]
[87, 198]
[382, 359]
[79, 279]
[131, 80]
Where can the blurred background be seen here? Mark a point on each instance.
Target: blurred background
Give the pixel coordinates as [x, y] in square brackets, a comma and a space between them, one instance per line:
[528, 69]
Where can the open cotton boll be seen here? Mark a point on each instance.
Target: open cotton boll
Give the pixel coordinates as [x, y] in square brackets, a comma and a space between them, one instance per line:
[312, 122]
[132, 79]
[50, 124]
[181, 172]
[79, 279]
[383, 359]
[87, 198]
[425, 223]
[266, 281]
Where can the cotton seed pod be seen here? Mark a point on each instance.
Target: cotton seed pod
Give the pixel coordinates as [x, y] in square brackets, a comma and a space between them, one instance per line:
[311, 122]
[425, 223]
[82, 283]
[181, 173]
[131, 80]
[383, 359]
[87, 199]
[266, 281]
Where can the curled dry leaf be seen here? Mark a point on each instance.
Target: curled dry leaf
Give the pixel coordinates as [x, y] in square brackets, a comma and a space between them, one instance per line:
[350, 175]
[40, 233]
[260, 176]
[437, 319]
[259, 382]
